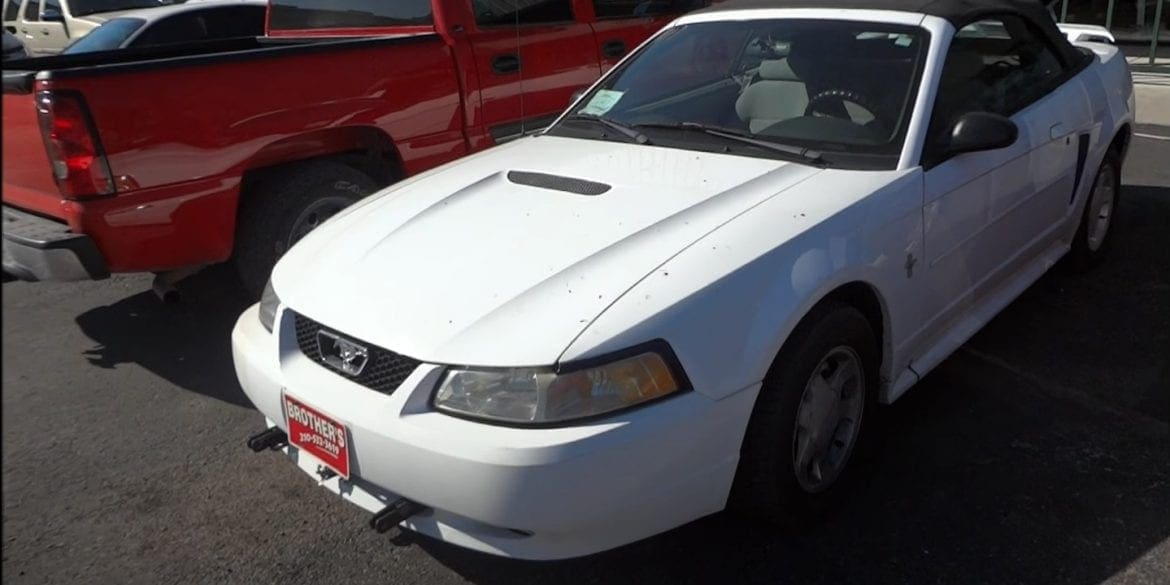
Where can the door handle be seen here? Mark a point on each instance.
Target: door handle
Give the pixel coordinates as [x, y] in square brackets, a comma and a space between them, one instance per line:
[44, 32]
[506, 63]
[1056, 131]
[613, 48]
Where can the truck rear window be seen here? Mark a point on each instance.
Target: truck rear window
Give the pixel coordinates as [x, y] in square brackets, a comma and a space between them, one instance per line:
[310, 14]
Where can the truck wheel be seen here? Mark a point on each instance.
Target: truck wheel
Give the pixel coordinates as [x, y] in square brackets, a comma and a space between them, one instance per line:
[1092, 239]
[807, 420]
[282, 208]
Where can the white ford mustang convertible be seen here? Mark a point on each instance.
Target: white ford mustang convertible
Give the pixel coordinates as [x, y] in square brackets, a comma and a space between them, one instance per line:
[692, 290]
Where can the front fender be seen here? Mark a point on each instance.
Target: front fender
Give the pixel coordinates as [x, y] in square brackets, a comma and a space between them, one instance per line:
[727, 303]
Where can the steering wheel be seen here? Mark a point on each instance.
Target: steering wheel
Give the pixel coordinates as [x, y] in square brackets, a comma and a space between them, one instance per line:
[839, 97]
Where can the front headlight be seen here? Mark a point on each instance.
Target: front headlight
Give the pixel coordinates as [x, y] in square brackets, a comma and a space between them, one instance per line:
[268, 304]
[547, 396]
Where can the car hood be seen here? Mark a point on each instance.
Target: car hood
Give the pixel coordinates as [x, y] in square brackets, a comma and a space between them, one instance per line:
[469, 265]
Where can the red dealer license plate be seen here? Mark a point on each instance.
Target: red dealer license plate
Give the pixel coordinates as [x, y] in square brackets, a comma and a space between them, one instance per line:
[319, 435]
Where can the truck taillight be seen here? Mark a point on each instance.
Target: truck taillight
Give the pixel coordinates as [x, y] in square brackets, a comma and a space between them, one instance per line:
[79, 163]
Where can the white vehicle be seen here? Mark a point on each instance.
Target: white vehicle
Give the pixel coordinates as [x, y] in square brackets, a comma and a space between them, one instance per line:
[690, 291]
[1086, 33]
[48, 26]
[201, 20]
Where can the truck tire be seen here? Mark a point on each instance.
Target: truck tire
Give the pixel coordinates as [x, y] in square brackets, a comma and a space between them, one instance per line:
[281, 208]
[807, 420]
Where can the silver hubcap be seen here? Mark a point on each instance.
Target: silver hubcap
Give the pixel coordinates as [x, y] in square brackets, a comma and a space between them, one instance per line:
[1101, 207]
[828, 419]
[313, 216]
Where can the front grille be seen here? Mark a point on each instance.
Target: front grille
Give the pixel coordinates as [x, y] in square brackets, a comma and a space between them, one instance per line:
[384, 372]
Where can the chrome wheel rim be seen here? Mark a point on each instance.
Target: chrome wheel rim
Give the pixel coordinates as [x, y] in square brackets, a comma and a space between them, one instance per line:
[313, 216]
[828, 419]
[1101, 207]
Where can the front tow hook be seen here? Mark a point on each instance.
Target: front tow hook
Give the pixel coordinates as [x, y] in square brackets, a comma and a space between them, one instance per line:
[396, 512]
[270, 438]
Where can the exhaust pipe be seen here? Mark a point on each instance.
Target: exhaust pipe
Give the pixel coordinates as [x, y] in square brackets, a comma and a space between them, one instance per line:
[396, 512]
[270, 438]
[164, 283]
[164, 290]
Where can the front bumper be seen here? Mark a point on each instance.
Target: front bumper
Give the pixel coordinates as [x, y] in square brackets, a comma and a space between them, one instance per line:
[525, 493]
[36, 248]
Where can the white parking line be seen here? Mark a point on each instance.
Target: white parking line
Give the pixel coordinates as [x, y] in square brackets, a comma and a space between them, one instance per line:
[1154, 136]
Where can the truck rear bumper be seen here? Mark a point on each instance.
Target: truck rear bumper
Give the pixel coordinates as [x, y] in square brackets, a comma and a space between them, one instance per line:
[36, 248]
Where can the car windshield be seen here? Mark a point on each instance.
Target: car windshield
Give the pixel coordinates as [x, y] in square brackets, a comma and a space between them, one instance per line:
[834, 91]
[85, 7]
[106, 37]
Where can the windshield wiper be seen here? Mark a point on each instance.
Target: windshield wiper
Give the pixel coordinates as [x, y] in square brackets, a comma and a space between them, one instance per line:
[627, 131]
[806, 154]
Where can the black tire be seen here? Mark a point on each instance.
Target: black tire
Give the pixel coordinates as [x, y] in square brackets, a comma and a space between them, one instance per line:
[1086, 252]
[766, 483]
[279, 209]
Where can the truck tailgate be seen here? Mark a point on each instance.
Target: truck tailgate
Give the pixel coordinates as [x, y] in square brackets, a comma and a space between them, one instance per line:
[28, 178]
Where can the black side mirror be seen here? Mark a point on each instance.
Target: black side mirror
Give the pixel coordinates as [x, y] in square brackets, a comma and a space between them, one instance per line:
[52, 15]
[978, 131]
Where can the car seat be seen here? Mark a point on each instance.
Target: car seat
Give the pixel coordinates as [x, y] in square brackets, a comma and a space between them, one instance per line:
[777, 95]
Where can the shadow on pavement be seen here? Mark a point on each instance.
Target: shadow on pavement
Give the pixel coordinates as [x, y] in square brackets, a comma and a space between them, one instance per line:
[1038, 453]
[187, 343]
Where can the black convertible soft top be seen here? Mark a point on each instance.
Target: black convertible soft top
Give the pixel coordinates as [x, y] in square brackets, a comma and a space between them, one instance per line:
[958, 12]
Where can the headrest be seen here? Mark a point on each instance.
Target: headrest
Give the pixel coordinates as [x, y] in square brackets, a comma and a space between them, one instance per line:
[777, 70]
[962, 64]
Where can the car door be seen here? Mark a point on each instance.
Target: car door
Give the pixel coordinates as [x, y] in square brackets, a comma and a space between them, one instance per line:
[531, 56]
[12, 17]
[987, 213]
[1051, 107]
[42, 27]
[622, 25]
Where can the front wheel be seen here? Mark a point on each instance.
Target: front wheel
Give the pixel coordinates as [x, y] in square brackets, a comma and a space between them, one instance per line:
[284, 208]
[807, 421]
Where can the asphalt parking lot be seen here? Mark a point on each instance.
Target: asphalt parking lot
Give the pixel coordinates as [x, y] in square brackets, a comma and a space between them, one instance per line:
[1039, 453]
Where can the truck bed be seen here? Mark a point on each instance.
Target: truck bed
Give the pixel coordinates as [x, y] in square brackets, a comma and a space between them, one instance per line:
[205, 114]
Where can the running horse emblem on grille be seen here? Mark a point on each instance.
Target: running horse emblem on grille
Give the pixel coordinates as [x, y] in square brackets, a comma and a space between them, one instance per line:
[342, 354]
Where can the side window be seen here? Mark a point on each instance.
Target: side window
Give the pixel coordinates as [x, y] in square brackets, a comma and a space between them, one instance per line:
[998, 65]
[512, 12]
[32, 11]
[180, 28]
[235, 21]
[639, 8]
[11, 10]
[52, 5]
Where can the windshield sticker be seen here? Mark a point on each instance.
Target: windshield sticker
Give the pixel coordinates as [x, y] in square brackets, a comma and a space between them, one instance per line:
[603, 101]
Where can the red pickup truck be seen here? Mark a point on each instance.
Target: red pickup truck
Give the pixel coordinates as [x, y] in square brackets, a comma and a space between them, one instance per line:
[172, 158]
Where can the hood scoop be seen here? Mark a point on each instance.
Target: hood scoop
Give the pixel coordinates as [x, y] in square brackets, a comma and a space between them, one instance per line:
[558, 183]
